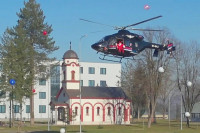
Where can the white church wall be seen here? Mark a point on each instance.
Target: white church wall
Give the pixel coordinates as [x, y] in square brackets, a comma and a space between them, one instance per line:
[105, 116]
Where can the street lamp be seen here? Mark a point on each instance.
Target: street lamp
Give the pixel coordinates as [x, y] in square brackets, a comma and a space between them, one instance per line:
[80, 77]
[161, 69]
[189, 84]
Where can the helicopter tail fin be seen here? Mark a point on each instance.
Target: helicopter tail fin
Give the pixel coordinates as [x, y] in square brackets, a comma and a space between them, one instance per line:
[168, 49]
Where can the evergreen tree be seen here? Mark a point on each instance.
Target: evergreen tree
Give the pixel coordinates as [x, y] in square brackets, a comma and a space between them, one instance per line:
[31, 48]
[16, 65]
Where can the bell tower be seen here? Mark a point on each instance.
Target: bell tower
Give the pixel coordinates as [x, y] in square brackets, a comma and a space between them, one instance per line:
[70, 70]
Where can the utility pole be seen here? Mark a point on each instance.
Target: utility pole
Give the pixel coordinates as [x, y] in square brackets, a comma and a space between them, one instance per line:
[12, 82]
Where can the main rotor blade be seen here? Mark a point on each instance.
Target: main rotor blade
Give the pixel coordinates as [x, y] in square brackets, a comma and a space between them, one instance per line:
[96, 22]
[144, 29]
[142, 21]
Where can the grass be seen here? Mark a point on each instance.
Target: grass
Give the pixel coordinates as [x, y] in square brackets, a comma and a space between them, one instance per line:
[162, 126]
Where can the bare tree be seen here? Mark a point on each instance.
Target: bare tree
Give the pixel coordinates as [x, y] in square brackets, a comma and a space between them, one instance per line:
[133, 82]
[144, 73]
[187, 69]
[154, 78]
[165, 93]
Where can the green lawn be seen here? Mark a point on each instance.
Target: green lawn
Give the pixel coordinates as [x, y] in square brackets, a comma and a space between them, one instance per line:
[137, 127]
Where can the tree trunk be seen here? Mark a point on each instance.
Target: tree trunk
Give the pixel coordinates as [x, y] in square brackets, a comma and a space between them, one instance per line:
[20, 121]
[13, 116]
[154, 116]
[138, 113]
[32, 107]
[188, 122]
[164, 112]
[151, 113]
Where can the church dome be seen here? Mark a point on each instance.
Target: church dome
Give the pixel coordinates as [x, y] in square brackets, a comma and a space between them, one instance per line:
[70, 54]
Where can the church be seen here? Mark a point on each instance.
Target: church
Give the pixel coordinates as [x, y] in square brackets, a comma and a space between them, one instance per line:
[88, 105]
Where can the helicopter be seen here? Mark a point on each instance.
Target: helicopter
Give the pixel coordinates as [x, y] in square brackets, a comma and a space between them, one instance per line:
[125, 44]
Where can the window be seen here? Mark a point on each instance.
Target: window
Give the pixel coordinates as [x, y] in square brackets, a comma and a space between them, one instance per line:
[64, 74]
[73, 75]
[98, 110]
[42, 95]
[16, 108]
[81, 82]
[103, 83]
[87, 110]
[2, 94]
[42, 108]
[103, 71]
[1, 67]
[76, 111]
[198, 115]
[91, 83]
[55, 74]
[81, 70]
[119, 111]
[2, 108]
[109, 113]
[91, 70]
[27, 108]
[193, 115]
[42, 82]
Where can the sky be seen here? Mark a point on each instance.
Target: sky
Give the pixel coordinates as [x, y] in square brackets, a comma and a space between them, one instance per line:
[181, 17]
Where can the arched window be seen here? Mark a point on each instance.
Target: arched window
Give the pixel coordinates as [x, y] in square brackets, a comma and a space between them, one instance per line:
[64, 74]
[76, 111]
[87, 110]
[73, 75]
[98, 110]
[119, 111]
[109, 113]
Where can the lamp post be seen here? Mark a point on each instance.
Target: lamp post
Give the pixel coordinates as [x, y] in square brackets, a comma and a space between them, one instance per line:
[12, 82]
[80, 78]
[48, 88]
[181, 113]
[189, 84]
[187, 114]
[169, 109]
[161, 69]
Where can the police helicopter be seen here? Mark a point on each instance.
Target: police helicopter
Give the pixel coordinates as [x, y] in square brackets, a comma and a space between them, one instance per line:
[125, 44]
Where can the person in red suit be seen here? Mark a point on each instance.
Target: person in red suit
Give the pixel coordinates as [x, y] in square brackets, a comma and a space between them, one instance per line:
[120, 47]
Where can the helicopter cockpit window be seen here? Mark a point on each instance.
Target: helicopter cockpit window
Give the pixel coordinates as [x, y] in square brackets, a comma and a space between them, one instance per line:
[102, 40]
[127, 43]
[112, 41]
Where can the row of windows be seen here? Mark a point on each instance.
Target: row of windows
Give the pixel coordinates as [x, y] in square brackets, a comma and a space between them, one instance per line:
[91, 70]
[92, 83]
[98, 111]
[42, 108]
[42, 95]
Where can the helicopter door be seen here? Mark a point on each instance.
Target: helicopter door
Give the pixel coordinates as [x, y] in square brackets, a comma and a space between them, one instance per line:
[120, 40]
[128, 45]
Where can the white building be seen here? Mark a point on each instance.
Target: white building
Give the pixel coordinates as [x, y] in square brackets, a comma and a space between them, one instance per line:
[91, 75]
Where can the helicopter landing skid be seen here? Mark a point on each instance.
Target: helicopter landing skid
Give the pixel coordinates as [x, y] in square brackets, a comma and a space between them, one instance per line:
[120, 61]
[110, 60]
